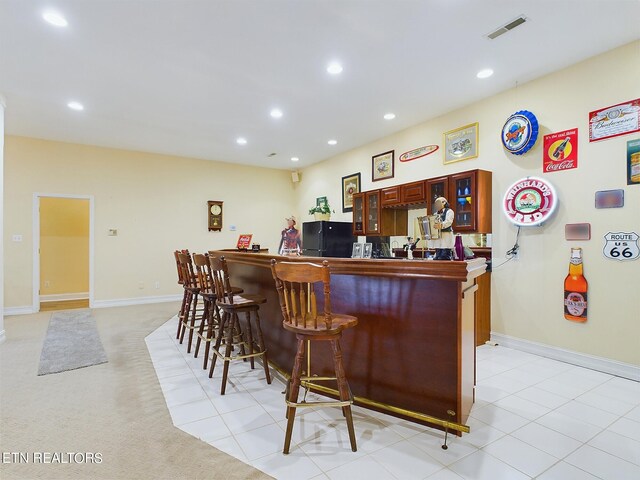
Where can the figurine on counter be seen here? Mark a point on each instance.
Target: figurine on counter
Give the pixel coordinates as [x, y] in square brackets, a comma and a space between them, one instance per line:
[290, 243]
[444, 244]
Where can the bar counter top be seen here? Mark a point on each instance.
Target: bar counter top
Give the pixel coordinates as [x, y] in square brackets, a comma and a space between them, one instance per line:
[412, 353]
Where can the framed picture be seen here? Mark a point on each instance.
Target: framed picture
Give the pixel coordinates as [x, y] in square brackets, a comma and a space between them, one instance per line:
[461, 143]
[321, 201]
[633, 162]
[350, 185]
[366, 251]
[382, 166]
[357, 250]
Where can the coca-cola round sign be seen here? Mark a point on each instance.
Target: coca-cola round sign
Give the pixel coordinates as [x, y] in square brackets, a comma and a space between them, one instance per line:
[529, 201]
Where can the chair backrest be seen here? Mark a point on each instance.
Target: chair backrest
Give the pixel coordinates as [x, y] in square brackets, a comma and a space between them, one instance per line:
[204, 279]
[295, 282]
[175, 255]
[185, 266]
[220, 277]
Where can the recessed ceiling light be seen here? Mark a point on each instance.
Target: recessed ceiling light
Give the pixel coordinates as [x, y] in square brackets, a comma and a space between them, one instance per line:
[294, 159]
[334, 68]
[241, 141]
[276, 113]
[332, 142]
[54, 18]
[486, 73]
[75, 106]
[389, 116]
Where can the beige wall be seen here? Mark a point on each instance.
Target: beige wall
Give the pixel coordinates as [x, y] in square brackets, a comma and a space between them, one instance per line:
[527, 299]
[64, 245]
[158, 204]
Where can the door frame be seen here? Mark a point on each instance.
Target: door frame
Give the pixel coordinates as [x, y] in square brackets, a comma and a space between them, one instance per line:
[36, 244]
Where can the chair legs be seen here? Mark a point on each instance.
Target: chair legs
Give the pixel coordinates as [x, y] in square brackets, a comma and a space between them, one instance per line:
[343, 388]
[293, 394]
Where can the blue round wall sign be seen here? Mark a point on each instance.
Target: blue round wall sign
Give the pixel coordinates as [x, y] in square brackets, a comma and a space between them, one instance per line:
[520, 132]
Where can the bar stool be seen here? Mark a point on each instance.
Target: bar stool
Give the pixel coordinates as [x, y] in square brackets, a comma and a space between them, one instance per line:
[296, 284]
[190, 301]
[229, 330]
[181, 282]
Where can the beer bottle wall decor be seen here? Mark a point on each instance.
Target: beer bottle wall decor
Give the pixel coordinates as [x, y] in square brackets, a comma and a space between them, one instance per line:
[575, 289]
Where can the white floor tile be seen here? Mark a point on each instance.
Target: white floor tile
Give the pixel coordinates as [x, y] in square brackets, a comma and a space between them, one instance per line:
[481, 434]
[261, 442]
[190, 412]
[504, 382]
[626, 427]
[231, 401]
[564, 388]
[547, 440]
[634, 414]
[603, 465]
[168, 372]
[403, 427]
[618, 446]
[184, 395]
[309, 425]
[207, 430]
[431, 443]
[482, 466]
[522, 407]
[246, 419]
[608, 404]
[330, 451]
[371, 434]
[444, 474]
[594, 416]
[230, 446]
[186, 380]
[569, 426]
[520, 455]
[363, 468]
[500, 418]
[489, 394]
[406, 461]
[542, 397]
[620, 389]
[294, 466]
[566, 471]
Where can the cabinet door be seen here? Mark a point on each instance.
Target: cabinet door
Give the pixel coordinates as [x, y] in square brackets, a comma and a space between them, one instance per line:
[413, 192]
[436, 187]
[390, 196]
[372, 213]
[463, 200]
[358, 213]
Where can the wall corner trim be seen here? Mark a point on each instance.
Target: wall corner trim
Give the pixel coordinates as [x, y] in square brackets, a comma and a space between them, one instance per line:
[601, 364]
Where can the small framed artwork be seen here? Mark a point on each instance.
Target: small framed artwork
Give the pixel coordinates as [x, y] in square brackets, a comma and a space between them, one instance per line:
[357, 250]
[577, 231]
[461, 143]
[610, 199]
[350, 185]
[382, 166]
[633, 162]
[366, 251]
[321, 201]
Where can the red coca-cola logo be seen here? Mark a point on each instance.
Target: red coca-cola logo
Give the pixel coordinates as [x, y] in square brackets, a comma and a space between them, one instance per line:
[563, 165]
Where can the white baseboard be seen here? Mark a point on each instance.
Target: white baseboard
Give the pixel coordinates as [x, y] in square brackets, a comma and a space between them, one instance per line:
[601, 364]
[18, 310]
[3, 337]
[60, 297]
[125, 302]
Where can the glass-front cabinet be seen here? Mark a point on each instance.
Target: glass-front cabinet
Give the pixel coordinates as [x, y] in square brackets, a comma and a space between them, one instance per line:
[358, 214]
[436, 187]
[372, 217]
[462, 199]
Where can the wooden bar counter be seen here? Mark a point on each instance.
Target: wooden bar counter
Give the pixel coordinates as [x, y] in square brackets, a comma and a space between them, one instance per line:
[412, 353]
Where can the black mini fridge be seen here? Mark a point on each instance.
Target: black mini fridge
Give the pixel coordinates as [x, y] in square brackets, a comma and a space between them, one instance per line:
[327, 239]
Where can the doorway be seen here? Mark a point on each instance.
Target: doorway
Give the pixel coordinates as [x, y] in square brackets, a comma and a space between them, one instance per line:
[63, 252]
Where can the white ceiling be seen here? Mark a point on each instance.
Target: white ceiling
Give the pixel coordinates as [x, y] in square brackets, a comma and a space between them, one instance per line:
[187, 77]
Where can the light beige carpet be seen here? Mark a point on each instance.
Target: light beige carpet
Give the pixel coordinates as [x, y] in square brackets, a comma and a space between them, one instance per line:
[116, 409]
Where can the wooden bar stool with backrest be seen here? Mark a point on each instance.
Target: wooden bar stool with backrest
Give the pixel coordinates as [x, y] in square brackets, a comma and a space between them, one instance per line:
[190, 310]
[231, 305]
[185, 295]
[296, 283]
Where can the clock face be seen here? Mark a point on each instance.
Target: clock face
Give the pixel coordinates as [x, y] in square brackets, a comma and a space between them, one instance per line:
[216, 209]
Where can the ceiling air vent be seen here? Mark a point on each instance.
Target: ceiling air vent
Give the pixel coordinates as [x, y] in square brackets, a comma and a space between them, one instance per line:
[509, 26]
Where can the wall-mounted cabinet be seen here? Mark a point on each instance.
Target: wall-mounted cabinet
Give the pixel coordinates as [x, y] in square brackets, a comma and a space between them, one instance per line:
[384, 212]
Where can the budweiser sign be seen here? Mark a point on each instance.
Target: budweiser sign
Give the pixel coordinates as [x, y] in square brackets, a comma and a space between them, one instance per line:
[560, 151]
[529, 201]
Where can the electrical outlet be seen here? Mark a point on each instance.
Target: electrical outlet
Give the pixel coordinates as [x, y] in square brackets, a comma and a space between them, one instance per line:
[47, 284]
[16, 238]
[157, 284]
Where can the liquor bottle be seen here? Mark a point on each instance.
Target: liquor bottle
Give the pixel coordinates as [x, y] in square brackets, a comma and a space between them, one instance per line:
[560, 148]
[575, 289]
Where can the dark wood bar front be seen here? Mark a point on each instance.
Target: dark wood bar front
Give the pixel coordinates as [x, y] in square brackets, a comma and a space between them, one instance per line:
[412, 353]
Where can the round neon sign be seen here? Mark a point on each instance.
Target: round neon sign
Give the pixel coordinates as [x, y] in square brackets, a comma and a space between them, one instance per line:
[529, 201]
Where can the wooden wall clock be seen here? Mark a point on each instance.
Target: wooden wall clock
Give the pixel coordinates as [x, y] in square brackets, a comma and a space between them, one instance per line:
[215, 215]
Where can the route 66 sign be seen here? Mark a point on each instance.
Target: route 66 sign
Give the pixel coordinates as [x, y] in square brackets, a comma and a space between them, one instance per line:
[621, 246]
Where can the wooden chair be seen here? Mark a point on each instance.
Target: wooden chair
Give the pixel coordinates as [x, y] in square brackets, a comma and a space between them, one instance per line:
[190, 312]
[297, 284]
[181, 273]
[231, 304]
[211, 314]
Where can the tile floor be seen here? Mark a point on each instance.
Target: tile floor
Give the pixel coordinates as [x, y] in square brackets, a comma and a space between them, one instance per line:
[533, 418]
